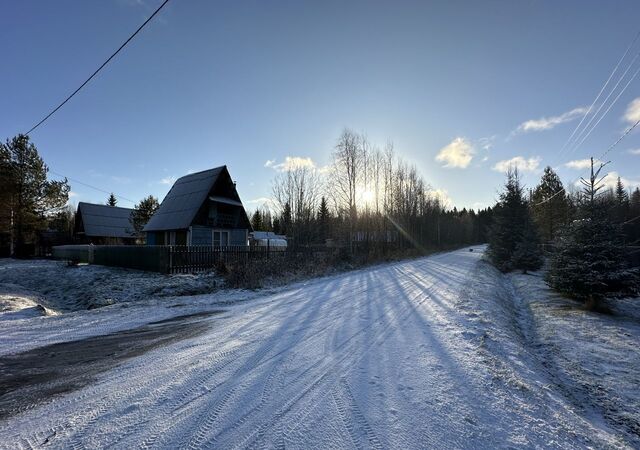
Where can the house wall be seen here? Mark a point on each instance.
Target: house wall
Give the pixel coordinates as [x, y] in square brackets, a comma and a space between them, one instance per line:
[238, 237]
[201, 235]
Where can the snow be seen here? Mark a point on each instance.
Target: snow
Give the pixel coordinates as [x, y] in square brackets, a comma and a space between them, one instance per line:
[439, 352]
[60, 287]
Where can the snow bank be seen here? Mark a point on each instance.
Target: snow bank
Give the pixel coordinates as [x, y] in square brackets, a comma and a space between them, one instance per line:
[19, 303]
[64, 288]
[592, 358]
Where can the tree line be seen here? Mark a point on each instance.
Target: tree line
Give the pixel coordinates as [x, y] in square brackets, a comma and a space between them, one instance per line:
[368, 198]
[34, 209]
[589, 235]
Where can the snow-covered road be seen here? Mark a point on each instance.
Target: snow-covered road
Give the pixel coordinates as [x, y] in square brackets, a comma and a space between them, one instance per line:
[418, 354]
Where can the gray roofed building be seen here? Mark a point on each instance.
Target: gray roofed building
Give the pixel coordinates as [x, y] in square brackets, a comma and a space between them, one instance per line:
[201, 208]
[183, 201]
[103, 224]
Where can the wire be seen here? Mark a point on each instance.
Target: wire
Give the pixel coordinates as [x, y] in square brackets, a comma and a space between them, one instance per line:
[92, 187]
[629, 130]
[609, 108]
[602, 89]
[99, 68]
[611, 147]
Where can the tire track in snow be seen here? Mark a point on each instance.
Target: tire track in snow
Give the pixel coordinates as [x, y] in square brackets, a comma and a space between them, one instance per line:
[328, 377]
[256, 361]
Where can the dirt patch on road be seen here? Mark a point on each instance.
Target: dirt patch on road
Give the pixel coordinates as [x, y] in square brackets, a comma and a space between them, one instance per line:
[34, 377]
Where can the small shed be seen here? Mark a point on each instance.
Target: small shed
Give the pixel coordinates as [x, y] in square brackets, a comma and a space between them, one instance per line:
[268, 239]
[201, 208]
[103, 225]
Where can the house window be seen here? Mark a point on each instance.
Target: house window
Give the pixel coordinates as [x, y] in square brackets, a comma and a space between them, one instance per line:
[220, 238]
[181, 237]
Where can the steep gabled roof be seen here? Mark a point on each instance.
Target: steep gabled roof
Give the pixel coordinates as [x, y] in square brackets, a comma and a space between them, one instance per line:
[182, 203]
[105, 221]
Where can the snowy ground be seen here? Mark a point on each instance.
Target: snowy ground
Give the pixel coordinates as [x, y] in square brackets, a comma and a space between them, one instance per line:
[63, 288]
[441, 352]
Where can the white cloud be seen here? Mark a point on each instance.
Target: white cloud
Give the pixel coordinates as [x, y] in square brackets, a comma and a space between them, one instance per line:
[458, 153]
[442, 195]
[168, 180]
[634, 151]
[547, 123]
[291, 163]
[522, 164]
[580, 164]
[486, 143]
[632, 114]
[260, 201]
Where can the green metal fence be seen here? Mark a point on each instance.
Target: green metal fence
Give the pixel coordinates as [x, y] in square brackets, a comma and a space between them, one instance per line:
[165, 258]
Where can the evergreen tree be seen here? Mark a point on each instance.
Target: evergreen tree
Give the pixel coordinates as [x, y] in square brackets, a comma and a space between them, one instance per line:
[256, 221]
[527, 255]
[589, 261]
[27, 198]
[277, 229]
[633, 225]
[509, 218]
[549, 205]
[285, 221]
[112, 200]
[323, 220]
[621, 202]
[143, 211]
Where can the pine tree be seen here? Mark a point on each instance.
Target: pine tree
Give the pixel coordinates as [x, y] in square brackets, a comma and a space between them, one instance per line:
[112, 200]
[323, 220]
[27, 197]
[143, 211]
[621, 202]
[633, 225]
[528, 255]
[549, 205]
[509, 218]
[589, 261]
[256, 221]
[286, 219]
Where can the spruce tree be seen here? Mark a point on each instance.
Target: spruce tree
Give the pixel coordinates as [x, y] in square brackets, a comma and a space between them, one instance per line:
[112, 200]
[256, 221]
[589, 261]
[528, 255]
[549, 205]
[509, 218]
[143, 211]
[621, 202]
[286, 219]
[323, 220]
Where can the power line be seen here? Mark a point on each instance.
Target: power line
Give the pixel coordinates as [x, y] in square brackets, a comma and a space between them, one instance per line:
[629, 130]
[610, 106]
[615, 69]
[92, 187]
[611, 147]
[99, 68]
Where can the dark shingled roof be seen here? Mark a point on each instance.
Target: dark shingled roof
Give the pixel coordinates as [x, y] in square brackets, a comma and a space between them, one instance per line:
[180, 206]
[106, 221]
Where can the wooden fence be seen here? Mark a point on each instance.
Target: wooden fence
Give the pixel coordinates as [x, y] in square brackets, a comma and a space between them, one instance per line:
[174, 258]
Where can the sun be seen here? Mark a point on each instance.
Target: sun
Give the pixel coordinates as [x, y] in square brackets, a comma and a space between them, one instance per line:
[368, 197]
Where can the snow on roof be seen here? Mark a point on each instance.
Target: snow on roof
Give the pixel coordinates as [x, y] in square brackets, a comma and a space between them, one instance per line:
[183, 201]
[106, 221]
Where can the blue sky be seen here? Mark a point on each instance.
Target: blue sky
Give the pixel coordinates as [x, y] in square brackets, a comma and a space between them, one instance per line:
[243, 82]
